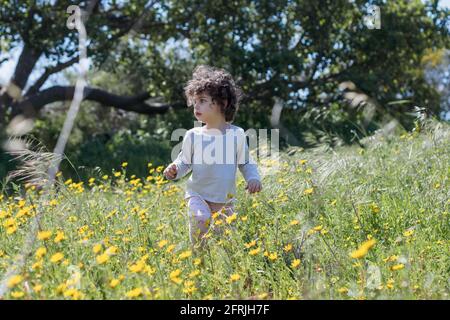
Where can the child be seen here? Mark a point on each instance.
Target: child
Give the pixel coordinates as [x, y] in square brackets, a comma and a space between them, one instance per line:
[212, 185]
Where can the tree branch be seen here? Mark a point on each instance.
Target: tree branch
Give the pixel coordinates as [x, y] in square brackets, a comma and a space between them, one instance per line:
[130, 23]
[32, 104]
[48, 72]
[27, 60]
[2, 60]
[107, 46]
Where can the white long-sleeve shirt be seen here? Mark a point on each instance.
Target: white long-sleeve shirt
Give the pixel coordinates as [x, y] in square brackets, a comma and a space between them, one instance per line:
[213, 159]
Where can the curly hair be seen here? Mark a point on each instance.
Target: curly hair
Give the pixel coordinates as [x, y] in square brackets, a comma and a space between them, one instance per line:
[217, 83]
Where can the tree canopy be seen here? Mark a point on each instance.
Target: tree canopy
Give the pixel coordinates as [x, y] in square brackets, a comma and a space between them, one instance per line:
[313, 55]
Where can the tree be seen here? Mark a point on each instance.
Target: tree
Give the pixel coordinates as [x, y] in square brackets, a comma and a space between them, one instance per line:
[40, 28]
[298, 51]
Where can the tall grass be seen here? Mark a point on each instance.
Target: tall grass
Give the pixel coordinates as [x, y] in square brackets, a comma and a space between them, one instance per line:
[305, 236]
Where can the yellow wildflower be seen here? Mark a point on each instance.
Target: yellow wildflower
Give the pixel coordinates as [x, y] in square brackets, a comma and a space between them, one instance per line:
[96, 248]
[408, 233]
[137, 267]
[235, 277]
[254, 251]
[57, 257]
[40, 252]
[37, 288]
[162, 243]
[390, 284]
[14, 280]
[134, 293]
[231, 218]
[194, 273]
[9, 222]
[59, 236]
[103, 258]
[375, 208]
[149, 270]
[73, 293]
[185, 254]
[343, 290]
[273, 256]
[61, 288]
[190, 289]
[37, 265]
[44, 235]
[11, 229]
[175, 273]
[174, 276]
[399, 266]
[114, 282]
[111, 250]
[391, 258]
[215, 214]
[263, 295]
[295, 263]
[17, 294]
[363, 249]
[250, 244]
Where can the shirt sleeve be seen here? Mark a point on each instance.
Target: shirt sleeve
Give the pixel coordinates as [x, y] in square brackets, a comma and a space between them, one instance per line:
[246, 163]
[184, 158]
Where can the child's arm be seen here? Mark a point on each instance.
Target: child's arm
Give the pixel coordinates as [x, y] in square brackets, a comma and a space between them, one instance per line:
[247, 165]
[183, 163]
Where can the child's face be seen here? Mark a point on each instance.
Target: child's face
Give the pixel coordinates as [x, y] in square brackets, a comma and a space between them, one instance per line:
[205, 110]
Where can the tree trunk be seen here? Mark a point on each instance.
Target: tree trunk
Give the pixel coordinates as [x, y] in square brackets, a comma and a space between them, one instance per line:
[14, 89]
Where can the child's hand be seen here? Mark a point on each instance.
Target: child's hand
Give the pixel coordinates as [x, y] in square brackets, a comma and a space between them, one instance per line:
[170, 172]
[254, 186]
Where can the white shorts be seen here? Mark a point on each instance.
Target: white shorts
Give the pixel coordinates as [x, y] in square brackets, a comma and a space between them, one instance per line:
[200, 216]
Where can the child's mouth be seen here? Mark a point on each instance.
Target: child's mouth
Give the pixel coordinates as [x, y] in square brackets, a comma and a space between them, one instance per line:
[198, 114]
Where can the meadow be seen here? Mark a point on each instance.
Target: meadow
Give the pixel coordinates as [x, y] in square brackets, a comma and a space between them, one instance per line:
[368, 221]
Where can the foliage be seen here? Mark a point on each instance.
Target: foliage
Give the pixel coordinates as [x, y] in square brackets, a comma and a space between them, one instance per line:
[348, 223]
